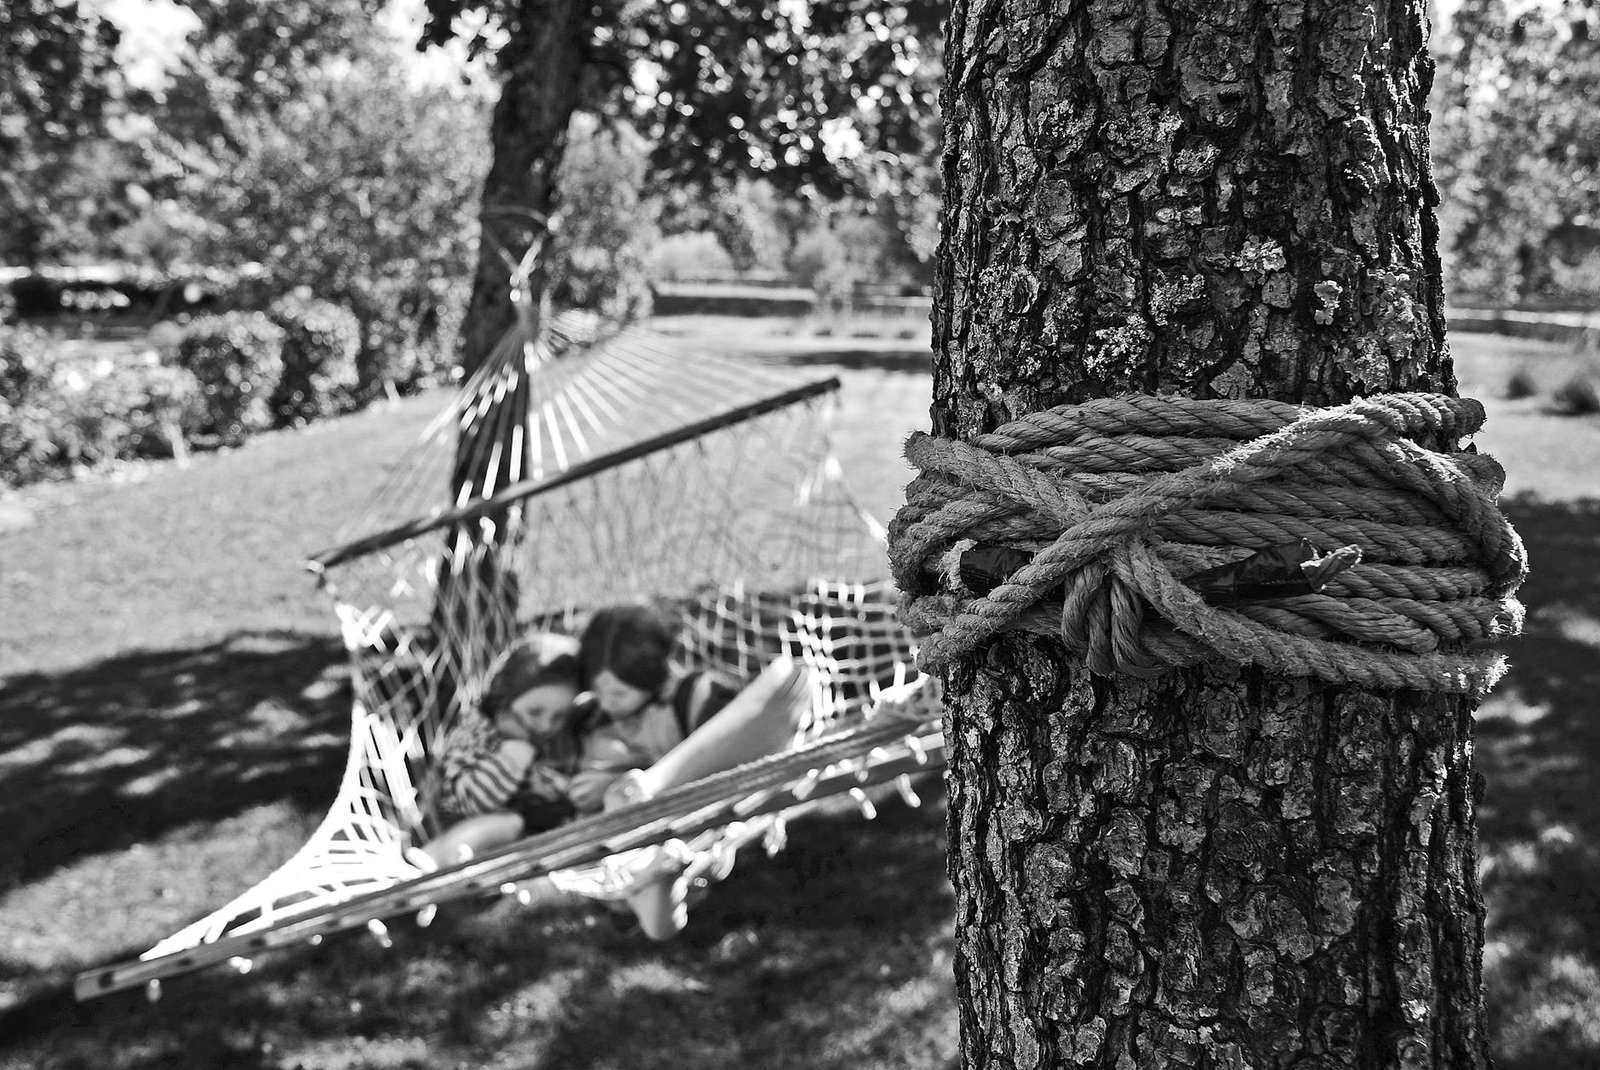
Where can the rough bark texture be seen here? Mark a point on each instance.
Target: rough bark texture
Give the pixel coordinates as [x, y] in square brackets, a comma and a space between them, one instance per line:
[1217, 199]
[539, 66]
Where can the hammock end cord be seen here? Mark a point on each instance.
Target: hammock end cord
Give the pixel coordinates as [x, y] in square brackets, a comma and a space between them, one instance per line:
[1179, 548]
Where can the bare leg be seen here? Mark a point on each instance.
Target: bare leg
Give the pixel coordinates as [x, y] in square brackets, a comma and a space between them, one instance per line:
[472, 836]
[661, 907]
[760, 720]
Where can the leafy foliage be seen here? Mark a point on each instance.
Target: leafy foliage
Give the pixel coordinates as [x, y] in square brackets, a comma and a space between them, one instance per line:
[85, 201]
[25, 449]
[690, 255]
[23, 358]
[807, 95]
[320, 344]
[843, 250]
[795, 93]
[607, 230]
[1578, 396]
[359, 188]
[822, 261]
[237, 358]
[58, 79]
[114, 410]
[1517, 148]
[755, 226]
[251, 57]
[60, 412]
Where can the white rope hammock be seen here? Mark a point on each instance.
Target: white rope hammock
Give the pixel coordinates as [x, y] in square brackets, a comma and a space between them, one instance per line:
[604, 468]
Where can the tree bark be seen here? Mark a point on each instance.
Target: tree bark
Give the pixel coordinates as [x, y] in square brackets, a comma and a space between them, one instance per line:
[540, 64]
[1213, 199]
[540, 67]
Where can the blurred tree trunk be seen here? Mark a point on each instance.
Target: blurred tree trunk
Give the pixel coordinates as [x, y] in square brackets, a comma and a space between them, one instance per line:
[1224, 868]
[539, 68]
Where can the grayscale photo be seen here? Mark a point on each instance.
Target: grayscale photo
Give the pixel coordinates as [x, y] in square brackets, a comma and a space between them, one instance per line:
[799, 534]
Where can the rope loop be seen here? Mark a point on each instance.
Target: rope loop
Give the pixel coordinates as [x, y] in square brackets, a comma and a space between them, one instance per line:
[1358, 544]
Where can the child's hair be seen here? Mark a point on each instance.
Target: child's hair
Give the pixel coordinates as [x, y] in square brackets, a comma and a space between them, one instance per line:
[632, 641]
[524, 667]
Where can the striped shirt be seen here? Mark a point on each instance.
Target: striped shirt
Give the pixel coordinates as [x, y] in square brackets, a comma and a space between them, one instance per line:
[482, 770]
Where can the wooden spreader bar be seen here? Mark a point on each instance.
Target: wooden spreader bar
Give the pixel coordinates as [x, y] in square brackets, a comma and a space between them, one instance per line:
[529, 488]
[866, 755]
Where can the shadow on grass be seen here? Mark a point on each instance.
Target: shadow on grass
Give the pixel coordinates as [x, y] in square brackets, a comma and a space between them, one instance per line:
[835, 953]
[1539, 822]
[119, 752]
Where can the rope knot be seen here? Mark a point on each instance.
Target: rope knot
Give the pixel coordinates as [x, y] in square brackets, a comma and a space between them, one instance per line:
[1356, 544]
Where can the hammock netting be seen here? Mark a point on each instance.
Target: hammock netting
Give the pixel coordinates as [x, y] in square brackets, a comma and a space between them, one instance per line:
[577, 469]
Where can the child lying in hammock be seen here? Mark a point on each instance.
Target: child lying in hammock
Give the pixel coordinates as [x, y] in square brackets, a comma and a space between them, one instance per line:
[656, 729]
[634, 741]
[507, 764]
[642, 706]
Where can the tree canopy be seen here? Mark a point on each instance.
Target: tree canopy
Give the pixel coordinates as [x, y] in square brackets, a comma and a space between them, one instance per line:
[58, 81]
[802, 94]
[1517, 149]
[358, 187]
[253, 56]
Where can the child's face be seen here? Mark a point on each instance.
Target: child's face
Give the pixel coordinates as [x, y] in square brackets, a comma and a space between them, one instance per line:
[537, 713]
[615, 698]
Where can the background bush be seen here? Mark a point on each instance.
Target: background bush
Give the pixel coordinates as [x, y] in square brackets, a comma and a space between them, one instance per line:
[694, 254]
[162, 408]
[236, 359]
[391, 240]
[1521, 384]
[25, 447]
[1578, 396]
[92, 408]
[423, 347]
[321, 341]
[822, 261]
[599, 250]
[60, 413]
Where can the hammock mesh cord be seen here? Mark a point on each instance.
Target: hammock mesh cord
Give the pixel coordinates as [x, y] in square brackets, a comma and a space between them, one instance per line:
[746, 531]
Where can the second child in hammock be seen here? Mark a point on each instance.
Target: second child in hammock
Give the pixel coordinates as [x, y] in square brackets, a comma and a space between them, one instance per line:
[642, 706]
[532, 756]
[652, 729]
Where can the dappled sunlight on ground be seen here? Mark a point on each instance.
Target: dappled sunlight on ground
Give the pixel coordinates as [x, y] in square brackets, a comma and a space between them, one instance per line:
[1539, 822]
[163, 754]
[134, 897]
[835, 954]
[174, 730]
[148, 788]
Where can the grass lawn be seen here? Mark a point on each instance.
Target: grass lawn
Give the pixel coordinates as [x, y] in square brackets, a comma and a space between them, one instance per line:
[174, 712]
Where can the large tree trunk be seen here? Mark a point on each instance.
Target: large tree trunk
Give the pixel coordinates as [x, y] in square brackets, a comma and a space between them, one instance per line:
[540, 65]
[1218, 199]
[539, 68]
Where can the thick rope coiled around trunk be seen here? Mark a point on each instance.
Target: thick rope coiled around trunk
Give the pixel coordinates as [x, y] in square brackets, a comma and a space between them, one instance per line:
[1120, 500]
